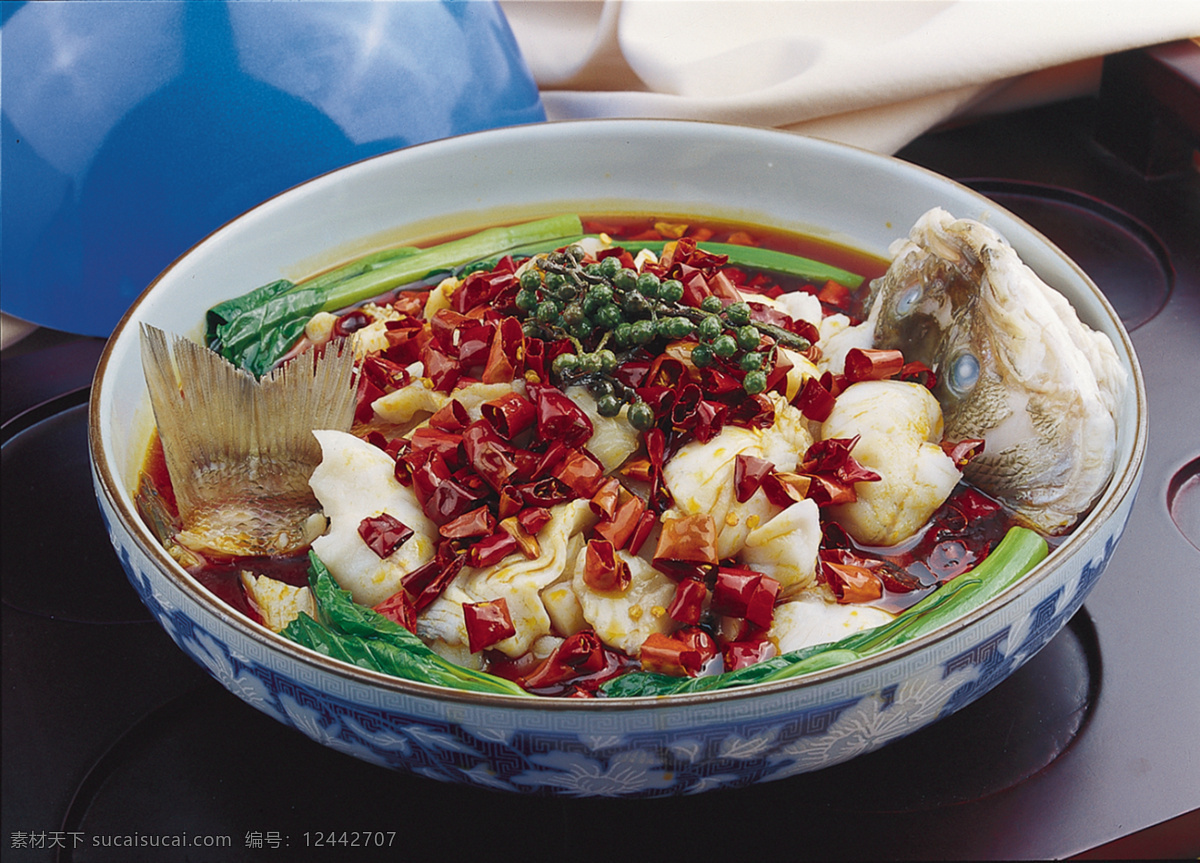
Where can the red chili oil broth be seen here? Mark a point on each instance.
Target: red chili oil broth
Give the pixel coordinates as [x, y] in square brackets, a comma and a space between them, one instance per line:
[924, 557]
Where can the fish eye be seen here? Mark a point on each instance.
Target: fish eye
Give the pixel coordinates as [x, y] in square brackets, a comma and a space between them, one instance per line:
[964, 374]
[909, 300]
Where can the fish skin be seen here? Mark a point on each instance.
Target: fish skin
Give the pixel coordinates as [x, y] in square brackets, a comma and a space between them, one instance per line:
[240, 450]
[1015, 366]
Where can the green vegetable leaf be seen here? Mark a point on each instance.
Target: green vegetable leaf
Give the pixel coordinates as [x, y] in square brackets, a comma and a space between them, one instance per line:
[361, 636]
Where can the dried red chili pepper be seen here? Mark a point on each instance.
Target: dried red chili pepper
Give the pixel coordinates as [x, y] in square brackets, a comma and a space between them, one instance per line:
[851, 583]
[505, 351]
[641, 532]
[740, 654]
[534, 518]
[814, 400]
[489, 456]
[509, 415]
[384, 533]
[865, 364]
[526, 541]
[580, 472]
[962, 451]
[581, 658]
[603, 568]
[364, 399]
[748, 474]
[688, 603]
[442, 369]
[605, 499]
[398, 608]
[545, 492]
[450, 417]
[664, 654]
[350, 322]
[620, 527]
[559, 418]
[386, 374]
[918, 373]
[835, 294]
[477, 522]
[487, 623]
[445, 444]
[426, 583]
[689, 539]
[492, 549]
[744, 593]
[784, 488]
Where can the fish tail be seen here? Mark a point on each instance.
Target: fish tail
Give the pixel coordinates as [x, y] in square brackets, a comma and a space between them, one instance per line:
[213, 416]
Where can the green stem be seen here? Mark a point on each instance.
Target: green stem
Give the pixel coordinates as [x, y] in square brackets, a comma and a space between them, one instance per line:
[763, 259]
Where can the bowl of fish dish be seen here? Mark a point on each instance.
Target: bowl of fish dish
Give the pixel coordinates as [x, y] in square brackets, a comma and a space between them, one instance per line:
[617, 458]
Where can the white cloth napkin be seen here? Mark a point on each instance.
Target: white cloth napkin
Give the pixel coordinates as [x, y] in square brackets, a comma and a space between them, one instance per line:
[865, 72]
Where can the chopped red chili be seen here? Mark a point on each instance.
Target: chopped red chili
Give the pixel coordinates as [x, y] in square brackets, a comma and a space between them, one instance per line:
[383, 533]
[603, 568]
[399, 609]
[688, 602]
[748, 474]
[739, 592]
[488, 623]
[492, 549]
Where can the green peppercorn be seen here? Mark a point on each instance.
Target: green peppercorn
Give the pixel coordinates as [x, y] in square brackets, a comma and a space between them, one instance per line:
[641, 416]
[671, 291]
[531, 280]
[583, 330]
[623, 334]
[526, 300]
[600, 387]
[711, 304]
[554, 281]
[679, 327]
[724, 346]
[751, 362]
[564, 364]
[747, 337]
[548, 311]
[709, 329]
[636, 305]
[643, 332]
[608, 361]
[572, 314]
[702, 356]
[610, 266]
[608, 316]
[625, 279]
[589, 364]
[609, 405]
[600, 294]
[738, 314]
[593, 269]
[576, 251]
[754, 382]
[648, 284]
[567, 292]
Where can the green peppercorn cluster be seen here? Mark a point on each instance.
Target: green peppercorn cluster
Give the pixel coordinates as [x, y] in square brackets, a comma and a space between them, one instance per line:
[603, 303]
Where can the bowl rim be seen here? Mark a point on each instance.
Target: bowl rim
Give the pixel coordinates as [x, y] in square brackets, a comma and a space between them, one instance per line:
[1123, 483]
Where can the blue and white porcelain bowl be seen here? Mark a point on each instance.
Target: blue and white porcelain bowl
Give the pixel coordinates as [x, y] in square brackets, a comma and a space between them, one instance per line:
[622, 747]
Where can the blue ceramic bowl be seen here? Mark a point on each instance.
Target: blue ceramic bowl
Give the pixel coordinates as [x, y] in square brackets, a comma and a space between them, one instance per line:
[132, 129]
[622, 747]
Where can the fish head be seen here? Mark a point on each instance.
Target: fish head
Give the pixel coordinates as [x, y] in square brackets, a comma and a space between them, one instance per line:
[1014, 367]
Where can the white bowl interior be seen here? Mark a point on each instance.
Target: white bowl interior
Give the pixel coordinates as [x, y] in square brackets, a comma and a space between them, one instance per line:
[828, 190]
